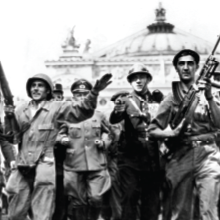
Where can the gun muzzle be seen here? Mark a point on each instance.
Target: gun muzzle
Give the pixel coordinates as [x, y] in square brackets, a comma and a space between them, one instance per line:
[99, 143]
[119, 101]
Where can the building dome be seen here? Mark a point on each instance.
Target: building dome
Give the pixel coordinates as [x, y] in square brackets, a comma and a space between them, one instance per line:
[159, 38]
[154, 46]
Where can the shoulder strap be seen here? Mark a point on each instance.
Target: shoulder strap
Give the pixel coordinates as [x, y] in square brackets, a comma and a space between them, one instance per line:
[135, 105]
[177, 93]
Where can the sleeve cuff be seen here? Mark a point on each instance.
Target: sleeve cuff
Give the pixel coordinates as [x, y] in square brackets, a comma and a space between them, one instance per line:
[94, 92]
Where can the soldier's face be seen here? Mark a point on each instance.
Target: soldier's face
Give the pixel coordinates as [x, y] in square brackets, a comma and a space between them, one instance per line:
[39, 90]
[186, 68]
[139, 81]
[79, 96]
[58, 96]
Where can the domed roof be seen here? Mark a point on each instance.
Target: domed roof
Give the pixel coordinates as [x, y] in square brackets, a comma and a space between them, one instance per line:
[158, 38]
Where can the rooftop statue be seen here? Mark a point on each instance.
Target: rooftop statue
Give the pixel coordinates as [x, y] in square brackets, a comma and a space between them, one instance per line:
[160, 13]
[70, 40]
[87, 46]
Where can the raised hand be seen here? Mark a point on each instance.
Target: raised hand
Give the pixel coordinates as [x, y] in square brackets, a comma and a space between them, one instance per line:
[207, 87]
[103, 82]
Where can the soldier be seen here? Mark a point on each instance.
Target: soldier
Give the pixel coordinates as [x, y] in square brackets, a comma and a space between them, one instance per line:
[139, 157]
[193, 166]
[32, 185]
[86, 177]
[111, 208]
[58, 92]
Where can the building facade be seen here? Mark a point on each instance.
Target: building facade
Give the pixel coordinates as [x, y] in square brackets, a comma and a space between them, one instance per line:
[154, 46]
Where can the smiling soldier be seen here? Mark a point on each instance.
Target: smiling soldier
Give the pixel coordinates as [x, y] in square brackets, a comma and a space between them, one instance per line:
[193, 166]
[32, 186]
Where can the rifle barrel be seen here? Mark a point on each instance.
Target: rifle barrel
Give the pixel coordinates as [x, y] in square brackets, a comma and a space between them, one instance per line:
[216, 45]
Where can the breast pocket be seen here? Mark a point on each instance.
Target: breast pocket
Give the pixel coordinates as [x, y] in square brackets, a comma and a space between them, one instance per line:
[45, 130]
[96, 129]
[75, 131]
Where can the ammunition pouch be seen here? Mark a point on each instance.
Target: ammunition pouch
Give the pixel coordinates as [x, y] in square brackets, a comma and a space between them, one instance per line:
[27, 170]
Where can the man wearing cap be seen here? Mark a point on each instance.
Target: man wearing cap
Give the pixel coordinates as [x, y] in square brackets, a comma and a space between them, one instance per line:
[192, 170]
[32, 185]
[139, 159]
[86, 177]
[58, 92]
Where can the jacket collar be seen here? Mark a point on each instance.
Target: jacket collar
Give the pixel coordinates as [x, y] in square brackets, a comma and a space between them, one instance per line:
[43, 105]
[148, 96]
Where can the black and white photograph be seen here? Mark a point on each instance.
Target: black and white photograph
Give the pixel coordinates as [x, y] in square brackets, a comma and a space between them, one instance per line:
[110, 110]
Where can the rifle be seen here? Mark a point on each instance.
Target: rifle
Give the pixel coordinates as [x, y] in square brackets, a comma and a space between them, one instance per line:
[189, 102]
[11, 124]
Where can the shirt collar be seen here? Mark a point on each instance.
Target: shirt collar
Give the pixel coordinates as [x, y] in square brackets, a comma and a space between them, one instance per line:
[148, 94]
[43, 105]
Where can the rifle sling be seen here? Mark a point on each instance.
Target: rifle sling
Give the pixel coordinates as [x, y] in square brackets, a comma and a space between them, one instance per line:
[178, 97]
[177, 91]
[135, 105]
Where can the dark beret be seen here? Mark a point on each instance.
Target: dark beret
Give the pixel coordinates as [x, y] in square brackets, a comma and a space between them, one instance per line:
[186, 52]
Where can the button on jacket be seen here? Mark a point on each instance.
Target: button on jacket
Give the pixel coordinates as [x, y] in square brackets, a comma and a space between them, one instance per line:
[135, 124]
[83, 154]
[138, 160]
[42, 128]
[141, 152]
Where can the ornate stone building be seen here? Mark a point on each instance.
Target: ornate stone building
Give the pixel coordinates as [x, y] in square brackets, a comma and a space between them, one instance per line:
[155, 46]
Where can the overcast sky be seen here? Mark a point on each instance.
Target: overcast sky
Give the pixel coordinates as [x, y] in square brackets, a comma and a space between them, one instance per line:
[33, 31]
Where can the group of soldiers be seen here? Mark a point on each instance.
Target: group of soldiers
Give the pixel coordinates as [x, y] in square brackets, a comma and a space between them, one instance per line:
[77, 163]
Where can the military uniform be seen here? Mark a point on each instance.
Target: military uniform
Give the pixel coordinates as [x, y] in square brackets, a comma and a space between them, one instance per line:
[86, 177]
[194, 164]
[34, 190]
[111, 206]
[138, 159]
[192, 169]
